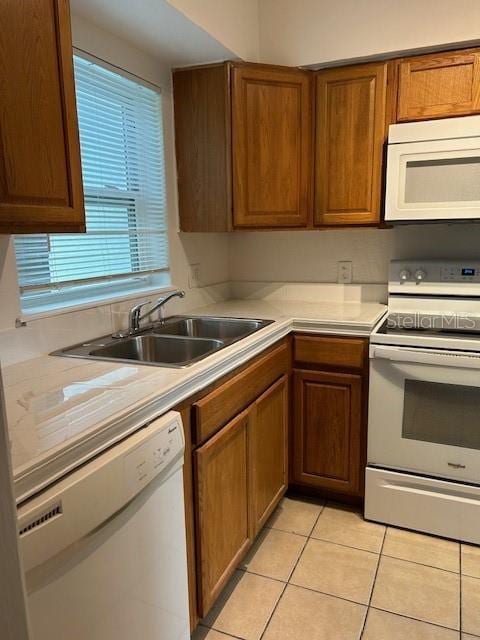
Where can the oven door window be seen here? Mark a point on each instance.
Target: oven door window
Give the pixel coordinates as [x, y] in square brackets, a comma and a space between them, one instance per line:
[447, 414]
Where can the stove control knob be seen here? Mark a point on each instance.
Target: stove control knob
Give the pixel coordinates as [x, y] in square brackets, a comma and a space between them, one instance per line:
[420, 275]
[404, 275]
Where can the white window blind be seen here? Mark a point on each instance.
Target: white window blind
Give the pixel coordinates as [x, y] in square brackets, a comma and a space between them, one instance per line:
[125, 245]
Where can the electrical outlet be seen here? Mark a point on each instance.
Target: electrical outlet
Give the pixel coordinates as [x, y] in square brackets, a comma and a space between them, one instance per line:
[344, 272]
[194, 275]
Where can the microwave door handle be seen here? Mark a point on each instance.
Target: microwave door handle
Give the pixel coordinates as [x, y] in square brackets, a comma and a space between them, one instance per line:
[433, 357]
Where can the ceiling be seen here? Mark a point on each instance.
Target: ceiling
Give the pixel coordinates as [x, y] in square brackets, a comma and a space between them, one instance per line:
[155, 27]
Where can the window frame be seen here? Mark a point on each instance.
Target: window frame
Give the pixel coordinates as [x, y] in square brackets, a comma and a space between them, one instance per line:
[105, 290]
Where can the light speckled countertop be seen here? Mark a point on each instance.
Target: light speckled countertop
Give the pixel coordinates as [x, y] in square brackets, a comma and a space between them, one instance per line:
[62, 411]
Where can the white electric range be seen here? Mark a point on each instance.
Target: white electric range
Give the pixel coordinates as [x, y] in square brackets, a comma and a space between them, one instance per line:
[423, 469]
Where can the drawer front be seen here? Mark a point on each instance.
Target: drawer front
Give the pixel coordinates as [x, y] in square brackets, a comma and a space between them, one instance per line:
[438, 507]
[222, 404]
[329, 351]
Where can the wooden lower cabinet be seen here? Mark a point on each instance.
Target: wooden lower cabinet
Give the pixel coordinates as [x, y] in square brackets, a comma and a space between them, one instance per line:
[241, 466]
[223, 531]
[240, 474]
[267, 438]
[328, 421]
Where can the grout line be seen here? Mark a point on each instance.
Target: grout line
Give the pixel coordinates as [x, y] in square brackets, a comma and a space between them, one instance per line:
[298, 560]
[403, 615]
[218, 630]
[330, 595]
[292, 533]
[421, 564]
[273, 610]
[289, 577]
[301, 535]
[260, 575]
[346, 546]
[322, 509]
[373, 583]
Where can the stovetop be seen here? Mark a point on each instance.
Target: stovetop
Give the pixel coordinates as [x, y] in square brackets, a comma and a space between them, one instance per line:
[432, 304]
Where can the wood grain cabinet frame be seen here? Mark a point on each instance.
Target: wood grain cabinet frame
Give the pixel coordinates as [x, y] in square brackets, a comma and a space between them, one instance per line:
[40, 169]
[222, 508]
[216, 408]
[351, 115]
[271, 146]
[439, 85]
[203, 150]
[328, 421]
[268, 452]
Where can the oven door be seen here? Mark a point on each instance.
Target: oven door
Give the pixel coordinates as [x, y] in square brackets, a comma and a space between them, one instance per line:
[424, 412]
[433, 180]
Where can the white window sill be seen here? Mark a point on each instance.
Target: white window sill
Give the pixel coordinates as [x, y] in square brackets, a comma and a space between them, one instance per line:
[94, 302]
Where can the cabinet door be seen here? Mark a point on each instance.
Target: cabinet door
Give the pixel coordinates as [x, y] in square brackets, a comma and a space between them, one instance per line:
[351, 107]
[439, 85]
[267, 438]
[271, 140]
[221, 508]
[328, 447]
[202, 142]
[40, 171]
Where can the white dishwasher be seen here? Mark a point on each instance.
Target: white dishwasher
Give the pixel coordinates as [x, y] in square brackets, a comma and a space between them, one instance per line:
[104, 548]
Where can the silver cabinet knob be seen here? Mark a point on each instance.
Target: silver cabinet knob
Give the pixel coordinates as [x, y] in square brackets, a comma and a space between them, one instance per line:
[404, 275]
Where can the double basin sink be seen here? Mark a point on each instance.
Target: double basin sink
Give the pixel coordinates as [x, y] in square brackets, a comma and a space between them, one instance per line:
[177, 342]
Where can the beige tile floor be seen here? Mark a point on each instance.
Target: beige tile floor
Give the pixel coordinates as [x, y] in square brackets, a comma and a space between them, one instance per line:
[320, 572]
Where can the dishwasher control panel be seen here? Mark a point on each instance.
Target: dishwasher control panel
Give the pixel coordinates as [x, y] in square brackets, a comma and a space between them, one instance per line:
[153, 455]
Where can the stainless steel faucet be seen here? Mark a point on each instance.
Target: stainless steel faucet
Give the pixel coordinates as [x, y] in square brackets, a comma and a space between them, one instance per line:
[135, 316]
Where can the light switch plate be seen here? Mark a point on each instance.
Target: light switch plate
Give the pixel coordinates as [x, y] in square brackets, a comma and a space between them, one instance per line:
[344, 272]
[194, 275]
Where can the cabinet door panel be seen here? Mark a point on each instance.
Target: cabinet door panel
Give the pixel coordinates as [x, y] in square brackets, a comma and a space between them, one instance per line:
[271, 141]
[350, 134]
[439, 86]
[328, 431]
[223, 532]
[40, 171]
[268, 426]
[202, 143]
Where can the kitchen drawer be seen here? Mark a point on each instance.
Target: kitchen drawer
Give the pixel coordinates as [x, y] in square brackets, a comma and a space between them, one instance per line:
[439, 507]
[222, 404]
[331, 351]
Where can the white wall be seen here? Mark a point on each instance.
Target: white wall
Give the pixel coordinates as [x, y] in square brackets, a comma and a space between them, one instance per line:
[308, 32]
[210, 250]
[234, 23]
[312, 256]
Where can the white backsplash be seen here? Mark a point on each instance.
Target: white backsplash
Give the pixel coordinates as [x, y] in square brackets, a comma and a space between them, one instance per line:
[43, 335]
[309, 291]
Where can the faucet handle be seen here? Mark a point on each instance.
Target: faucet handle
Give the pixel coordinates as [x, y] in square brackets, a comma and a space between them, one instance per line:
[134, 315]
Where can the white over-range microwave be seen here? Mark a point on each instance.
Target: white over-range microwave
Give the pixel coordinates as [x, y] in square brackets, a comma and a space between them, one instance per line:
[433, 171]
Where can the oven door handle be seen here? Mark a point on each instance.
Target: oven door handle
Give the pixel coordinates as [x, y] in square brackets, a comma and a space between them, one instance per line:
[427, 356]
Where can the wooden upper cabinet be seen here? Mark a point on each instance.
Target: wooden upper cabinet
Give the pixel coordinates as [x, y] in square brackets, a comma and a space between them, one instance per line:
[40, 169]
[202, 141]
[439, 85]
[271, 146]
[351, 123]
